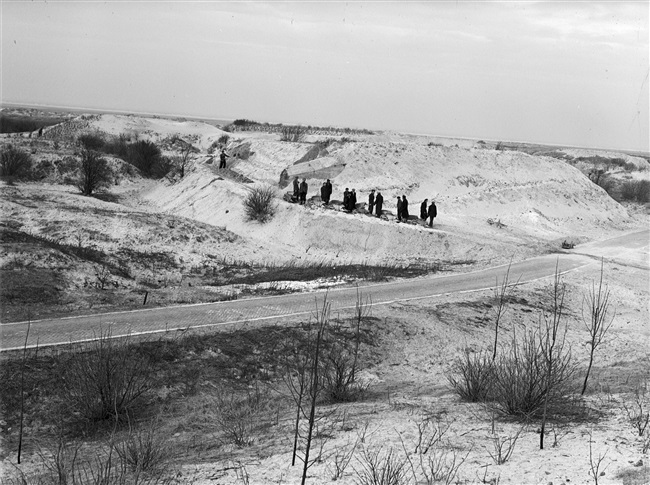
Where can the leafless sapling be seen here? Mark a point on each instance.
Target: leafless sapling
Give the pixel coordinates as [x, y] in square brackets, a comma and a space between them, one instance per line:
[22, 391]
[595, 308]
[552, 338]
[322, 319]
[502, 293]
[595, 464]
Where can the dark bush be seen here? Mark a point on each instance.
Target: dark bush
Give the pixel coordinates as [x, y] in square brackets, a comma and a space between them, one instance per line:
[15, 162]
[94, 173]
[118, 146]
[339, 374]
[608, 183]
[259, 204]
[472, 376]
[108, 379]
[636, 190]
[525, 378]
[145, 155]
[91, 141]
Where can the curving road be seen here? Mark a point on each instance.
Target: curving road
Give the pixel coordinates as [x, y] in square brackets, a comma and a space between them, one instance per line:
[630, 249]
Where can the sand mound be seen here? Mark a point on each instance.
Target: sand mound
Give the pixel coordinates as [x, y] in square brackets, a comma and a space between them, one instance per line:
[201, 135]
[539, 200]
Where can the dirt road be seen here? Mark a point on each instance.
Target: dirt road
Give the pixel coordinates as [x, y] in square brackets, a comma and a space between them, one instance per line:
[632, 249]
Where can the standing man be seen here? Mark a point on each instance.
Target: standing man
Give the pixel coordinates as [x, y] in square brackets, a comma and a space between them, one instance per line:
[353, 200]
[222, 157]
[328, 184]
[296, 188]
[405, 208]
[346, 199]
[371, 201]
[303, 191]
[323, 193]
[432, 213]
[423, 210]
[399, 209]
[379, 202]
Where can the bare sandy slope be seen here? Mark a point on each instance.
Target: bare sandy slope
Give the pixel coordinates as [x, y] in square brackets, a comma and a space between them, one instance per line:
[540, 200]
[423, 338]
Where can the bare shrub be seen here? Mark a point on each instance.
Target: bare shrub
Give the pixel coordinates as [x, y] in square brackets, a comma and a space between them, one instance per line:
[524, 380]
[433, 460]
[503, 447]
[340, 375]
[94, 173]
[240, 415]
[15, 162]
[144, 450]
[341, 459]
[638, 409]
[67, 465]
[441, 466]
[259, 204]
[381, 468]
[472, 376]
[341, 361]
[430, 433]
[107, 379]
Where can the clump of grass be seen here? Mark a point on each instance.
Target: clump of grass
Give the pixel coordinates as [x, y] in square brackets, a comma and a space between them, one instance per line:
[259, 204]
[145, 450]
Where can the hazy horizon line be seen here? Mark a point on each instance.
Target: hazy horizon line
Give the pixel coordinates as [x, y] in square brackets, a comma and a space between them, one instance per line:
[229, 118]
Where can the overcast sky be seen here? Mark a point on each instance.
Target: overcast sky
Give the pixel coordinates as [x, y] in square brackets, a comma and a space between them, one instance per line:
[572, 73]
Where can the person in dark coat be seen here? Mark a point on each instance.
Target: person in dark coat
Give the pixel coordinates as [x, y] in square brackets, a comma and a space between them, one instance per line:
[328, 185]
[371, 201]
[346, 199]
[303, 191]
[405, 208]
[296, 188]
[222, 158]
[323, 193]
[379, 202]
[432, 213]
[399, 208]
[423, 209]
[353, 200]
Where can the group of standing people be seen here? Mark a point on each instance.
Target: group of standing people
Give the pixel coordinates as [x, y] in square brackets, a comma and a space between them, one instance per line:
[300, 190]
[402, 209]
[428, 213]
[375, 201]
[326, 192]
[349, 199]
